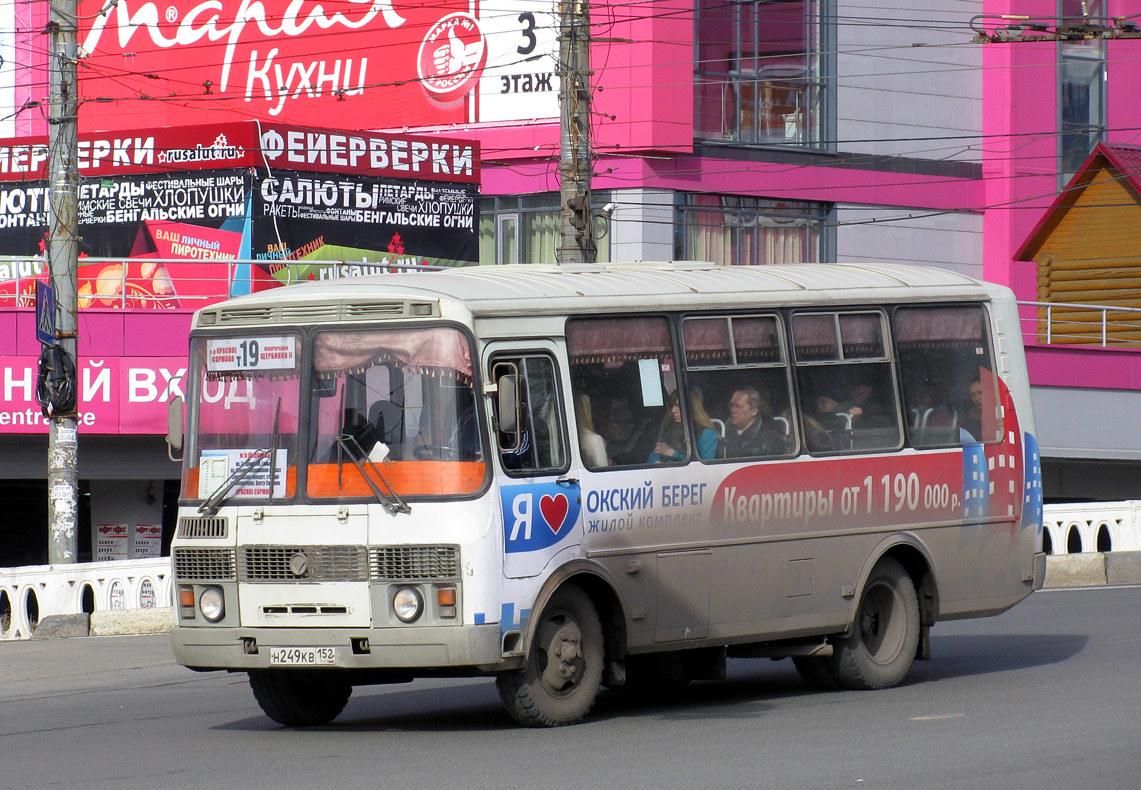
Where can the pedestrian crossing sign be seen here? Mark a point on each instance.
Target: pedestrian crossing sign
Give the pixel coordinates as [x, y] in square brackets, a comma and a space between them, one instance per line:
[45, 313]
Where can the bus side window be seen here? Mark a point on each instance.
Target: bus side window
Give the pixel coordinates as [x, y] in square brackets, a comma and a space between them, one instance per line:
[537, 444]
[846, 383]
[624, 367]
[949, 388]
[738, 374]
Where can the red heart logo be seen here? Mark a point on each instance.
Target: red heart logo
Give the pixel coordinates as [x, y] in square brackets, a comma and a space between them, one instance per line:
[554, 510]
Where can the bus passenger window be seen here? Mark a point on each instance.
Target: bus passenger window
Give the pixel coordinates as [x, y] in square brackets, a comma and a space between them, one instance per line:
[847, 388]
[625, 368]
[950, 391]
[736, 368]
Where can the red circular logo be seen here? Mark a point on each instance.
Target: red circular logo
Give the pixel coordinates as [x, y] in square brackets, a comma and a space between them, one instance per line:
[452, 57]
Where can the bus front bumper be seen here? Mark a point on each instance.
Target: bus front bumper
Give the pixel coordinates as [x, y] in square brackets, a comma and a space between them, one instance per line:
[471, 647]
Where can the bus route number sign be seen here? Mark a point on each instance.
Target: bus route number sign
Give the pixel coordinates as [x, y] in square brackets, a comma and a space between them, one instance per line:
[251, 353]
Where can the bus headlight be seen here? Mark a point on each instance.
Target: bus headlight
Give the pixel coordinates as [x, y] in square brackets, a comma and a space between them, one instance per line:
[212, 604]
[408, 604]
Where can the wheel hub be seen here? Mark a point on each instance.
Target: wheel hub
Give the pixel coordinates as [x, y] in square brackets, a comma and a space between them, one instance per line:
[562, 652]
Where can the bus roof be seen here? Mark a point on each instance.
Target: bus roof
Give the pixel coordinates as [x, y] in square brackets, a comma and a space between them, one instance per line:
[549, 288]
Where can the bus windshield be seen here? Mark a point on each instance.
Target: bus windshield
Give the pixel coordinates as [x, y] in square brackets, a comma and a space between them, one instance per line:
[389, 409]
[403, 400]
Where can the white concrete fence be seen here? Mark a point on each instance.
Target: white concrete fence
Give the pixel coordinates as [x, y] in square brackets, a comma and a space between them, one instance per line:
[31, 593]
[1092, 527]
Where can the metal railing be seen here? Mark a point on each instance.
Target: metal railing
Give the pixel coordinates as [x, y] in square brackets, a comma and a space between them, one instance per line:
[1073, 324]
[173, 283]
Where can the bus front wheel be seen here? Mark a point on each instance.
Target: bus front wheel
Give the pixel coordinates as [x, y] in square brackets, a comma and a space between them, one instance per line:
[564, 667]
[879, 651]
[299, 698]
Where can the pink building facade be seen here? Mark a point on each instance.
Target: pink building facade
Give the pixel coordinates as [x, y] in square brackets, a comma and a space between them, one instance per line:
[746, 133]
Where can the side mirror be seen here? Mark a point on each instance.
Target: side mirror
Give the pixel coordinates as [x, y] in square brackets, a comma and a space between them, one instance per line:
[508, 403]
[175, 412]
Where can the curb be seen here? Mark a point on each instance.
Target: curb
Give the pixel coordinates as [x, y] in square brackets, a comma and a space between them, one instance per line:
[1094, 569]
[112, 622]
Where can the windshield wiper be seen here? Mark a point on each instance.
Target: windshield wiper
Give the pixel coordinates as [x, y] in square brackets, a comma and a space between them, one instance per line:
[348, 445]
[245, 468]
[273, 449]
[240, 473]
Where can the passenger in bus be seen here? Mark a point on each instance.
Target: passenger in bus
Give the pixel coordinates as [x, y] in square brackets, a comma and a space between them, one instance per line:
[861, 404]
[591, 445]
[749, 434]
[832, 416]
[972, 422]
[629, 439]
[672, 445]
[817, 422]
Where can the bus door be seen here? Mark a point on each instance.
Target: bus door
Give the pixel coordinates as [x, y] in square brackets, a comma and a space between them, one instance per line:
[540, 500]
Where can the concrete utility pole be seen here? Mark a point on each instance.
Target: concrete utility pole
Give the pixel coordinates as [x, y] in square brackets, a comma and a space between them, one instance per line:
[63, 262]
[577, 243]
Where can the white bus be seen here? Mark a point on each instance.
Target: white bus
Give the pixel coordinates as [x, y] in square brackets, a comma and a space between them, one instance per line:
[573, 476]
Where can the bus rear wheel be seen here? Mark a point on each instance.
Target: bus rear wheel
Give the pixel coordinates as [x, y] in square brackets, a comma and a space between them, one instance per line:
[299, 698]
[881, 647]
[560, 682]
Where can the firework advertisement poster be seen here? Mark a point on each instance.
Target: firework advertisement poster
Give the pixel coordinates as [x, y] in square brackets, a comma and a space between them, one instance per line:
[179, 218]
[368, 224]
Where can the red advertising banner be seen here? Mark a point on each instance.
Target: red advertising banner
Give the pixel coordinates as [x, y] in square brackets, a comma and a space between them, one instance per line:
[383, 64]
[117, 395]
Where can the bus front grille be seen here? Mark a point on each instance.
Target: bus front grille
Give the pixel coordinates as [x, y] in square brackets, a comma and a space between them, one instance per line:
[203, 565]
[202, 527]
[303, 564]
[415, 563]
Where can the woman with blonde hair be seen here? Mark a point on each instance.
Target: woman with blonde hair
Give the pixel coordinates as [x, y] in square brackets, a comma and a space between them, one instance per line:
[672, 444]
[591, 445]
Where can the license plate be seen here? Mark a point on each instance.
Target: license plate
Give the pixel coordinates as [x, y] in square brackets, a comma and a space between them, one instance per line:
[302, 656]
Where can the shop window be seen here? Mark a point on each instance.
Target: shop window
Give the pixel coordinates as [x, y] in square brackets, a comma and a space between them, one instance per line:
[743, 231]
[759, 73]
[528, 229]
[1081, 88]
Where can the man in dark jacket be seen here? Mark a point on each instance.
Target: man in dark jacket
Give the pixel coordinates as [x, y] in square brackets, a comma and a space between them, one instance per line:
[748, 434]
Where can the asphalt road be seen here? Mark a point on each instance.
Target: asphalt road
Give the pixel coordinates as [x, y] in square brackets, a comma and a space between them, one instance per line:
[1047, 695]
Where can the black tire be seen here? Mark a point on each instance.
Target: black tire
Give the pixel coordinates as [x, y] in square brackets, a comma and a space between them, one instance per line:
[816, 672]
[881, 648]
[560, 682]
[297, 698]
